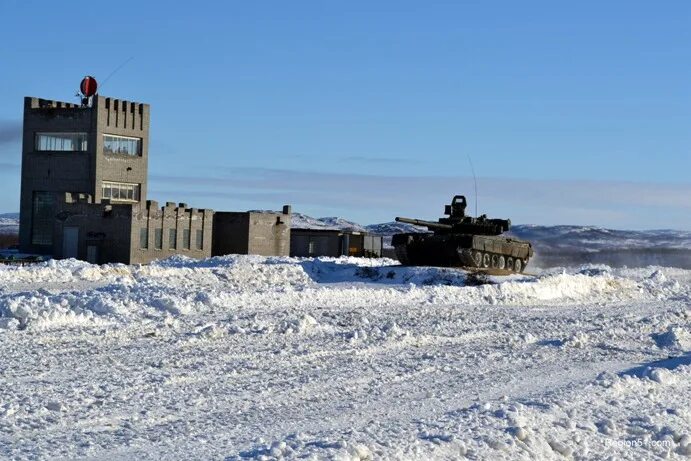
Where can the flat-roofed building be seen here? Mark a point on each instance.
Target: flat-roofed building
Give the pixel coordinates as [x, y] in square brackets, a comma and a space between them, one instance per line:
[334, 242]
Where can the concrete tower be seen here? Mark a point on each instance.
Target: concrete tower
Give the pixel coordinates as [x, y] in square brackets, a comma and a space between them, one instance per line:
[97, 152]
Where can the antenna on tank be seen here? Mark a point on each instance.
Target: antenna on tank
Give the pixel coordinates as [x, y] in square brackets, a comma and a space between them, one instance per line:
[474, 179]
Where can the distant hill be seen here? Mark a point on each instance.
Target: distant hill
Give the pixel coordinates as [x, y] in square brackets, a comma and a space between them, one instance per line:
[9, 223]
[302, 221]
[591, 238]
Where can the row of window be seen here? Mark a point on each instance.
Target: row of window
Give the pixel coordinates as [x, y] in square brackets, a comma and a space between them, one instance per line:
[61, 142]
[121, 145]
[120, 191]
[77, 142]
[172, 239]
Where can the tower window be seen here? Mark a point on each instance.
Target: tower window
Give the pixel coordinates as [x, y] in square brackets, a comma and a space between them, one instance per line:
[42, 218]
[120, 191]
[122, 145]
[60, 142]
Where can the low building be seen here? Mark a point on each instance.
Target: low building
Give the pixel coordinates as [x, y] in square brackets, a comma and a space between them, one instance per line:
[334, 242]
[263, 233]
[129, 233]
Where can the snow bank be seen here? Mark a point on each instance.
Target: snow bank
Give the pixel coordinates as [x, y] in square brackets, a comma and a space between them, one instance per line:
[124, 293]
[246, 357]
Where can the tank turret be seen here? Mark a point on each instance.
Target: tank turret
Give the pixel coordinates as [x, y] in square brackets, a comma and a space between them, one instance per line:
[457, 221]
[461, 240]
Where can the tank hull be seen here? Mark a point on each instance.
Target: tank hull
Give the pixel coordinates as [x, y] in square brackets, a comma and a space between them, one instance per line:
[462, 250]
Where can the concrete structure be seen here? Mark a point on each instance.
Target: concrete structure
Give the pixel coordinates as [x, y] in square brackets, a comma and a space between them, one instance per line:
[95, 151]
[328, 242]
[84, 175]
[252, 232]
[129, 233]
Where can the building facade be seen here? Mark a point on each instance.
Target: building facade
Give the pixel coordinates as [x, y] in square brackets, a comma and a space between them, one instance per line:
[334, 242]
[252, 232]
[126, 233]
[99, 152]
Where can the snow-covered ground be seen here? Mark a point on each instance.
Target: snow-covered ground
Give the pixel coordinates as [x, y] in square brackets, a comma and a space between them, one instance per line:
[280, 358]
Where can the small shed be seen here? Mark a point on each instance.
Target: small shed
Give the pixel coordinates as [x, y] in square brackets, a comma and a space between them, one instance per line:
[265, 233]
[334, 242]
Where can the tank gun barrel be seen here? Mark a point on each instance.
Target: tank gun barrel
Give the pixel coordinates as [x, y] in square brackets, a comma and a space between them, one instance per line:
[428, 224]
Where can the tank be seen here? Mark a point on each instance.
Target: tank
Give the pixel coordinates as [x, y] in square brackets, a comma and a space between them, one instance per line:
[462, 241]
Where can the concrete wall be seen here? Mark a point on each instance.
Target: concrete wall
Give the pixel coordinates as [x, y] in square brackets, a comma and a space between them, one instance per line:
[121, 118]
[320, 242]
[103, 226]
[231, 233]
[180, 218]
[269, 234]
[257, 233]
[56, 172]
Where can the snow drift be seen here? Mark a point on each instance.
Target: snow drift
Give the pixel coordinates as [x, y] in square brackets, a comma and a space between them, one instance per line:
[244, 357]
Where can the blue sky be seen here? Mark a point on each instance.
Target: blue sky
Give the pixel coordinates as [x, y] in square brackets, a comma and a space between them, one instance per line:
[572, 113]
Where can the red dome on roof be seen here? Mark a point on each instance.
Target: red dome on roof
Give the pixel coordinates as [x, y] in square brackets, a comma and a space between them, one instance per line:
[88, 86]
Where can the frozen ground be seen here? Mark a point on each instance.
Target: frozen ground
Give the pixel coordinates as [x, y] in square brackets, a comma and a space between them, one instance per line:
[268, 358]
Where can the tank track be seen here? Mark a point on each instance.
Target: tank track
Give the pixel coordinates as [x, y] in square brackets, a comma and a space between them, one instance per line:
[477, 259]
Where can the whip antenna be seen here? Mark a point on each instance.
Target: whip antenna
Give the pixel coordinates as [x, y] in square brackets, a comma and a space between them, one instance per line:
[474, 179]
[116, 69]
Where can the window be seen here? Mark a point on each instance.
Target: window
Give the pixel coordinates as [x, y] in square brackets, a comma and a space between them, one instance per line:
[186, 239]
[144, 238]
[199, 241]
[60, 142]
[42, 218]
[172, 237]
[121, 145]
[158, 239]
[120, 191]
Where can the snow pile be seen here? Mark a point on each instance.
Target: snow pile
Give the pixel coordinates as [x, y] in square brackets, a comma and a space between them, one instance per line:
[123, 293]
[249, 358]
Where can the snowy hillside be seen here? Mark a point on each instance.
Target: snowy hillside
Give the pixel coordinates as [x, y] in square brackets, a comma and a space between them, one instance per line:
[252, 358]
[568, 245]
[9, 223]
[597, 238]
[302, 221]
[393, 227]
